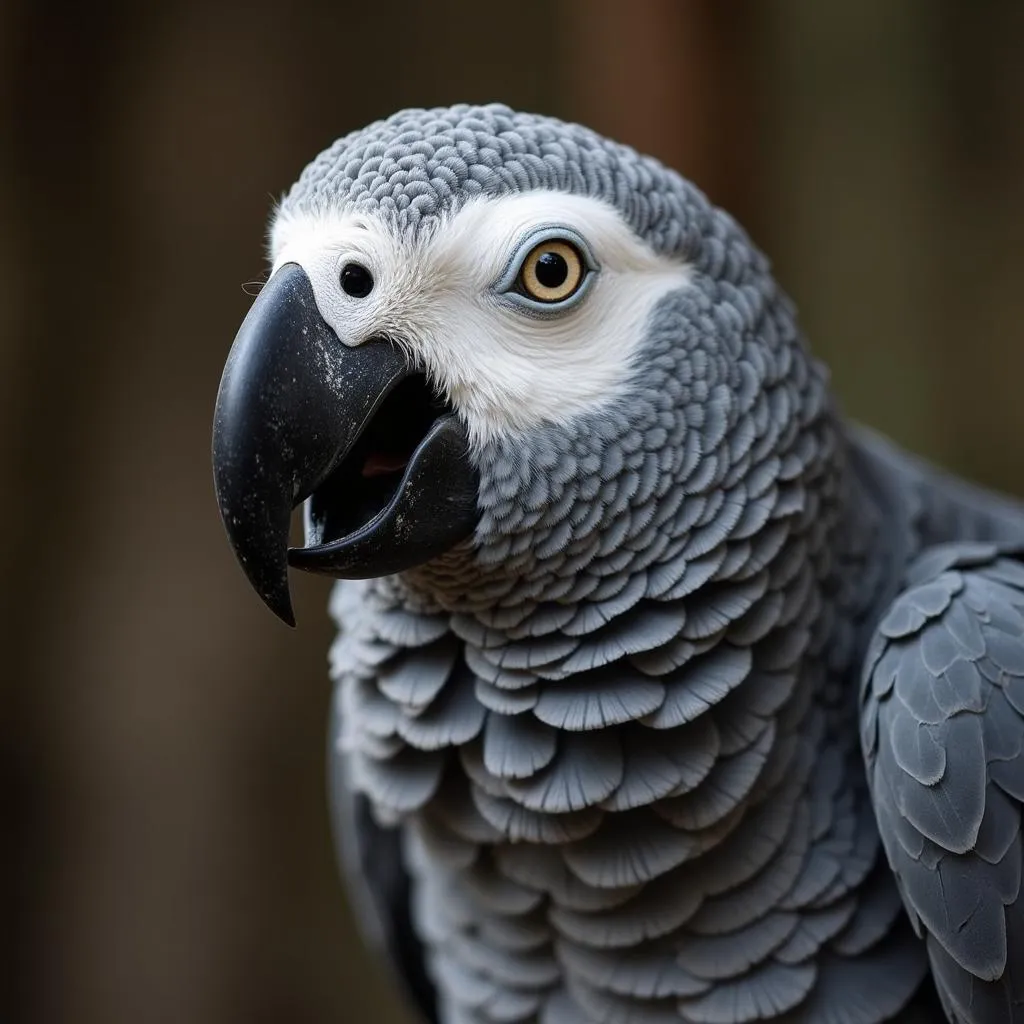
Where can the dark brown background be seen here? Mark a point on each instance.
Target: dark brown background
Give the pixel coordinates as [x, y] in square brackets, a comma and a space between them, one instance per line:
[165, 844]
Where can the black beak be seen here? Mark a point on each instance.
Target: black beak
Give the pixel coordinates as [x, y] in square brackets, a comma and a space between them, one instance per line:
[383, 461]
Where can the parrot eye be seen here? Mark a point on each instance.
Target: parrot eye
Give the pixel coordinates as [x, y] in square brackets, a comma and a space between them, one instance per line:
[356, 280]
[552, 271]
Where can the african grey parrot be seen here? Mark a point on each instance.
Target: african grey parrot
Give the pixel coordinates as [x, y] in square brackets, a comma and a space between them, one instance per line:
[663, 694]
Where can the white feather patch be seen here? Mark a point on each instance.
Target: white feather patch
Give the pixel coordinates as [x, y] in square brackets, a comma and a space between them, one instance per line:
[503, 370]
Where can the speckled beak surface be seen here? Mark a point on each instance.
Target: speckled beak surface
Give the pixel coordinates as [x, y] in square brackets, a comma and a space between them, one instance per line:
[354, 431]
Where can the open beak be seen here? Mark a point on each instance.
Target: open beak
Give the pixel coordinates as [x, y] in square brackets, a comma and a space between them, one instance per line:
[355, 432]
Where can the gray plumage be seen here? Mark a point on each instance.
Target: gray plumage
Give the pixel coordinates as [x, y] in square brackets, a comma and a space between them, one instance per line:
[942, 703]
[616, 741]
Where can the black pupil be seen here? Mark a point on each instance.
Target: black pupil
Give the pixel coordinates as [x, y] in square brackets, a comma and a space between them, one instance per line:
[551, 269]
[356, 280]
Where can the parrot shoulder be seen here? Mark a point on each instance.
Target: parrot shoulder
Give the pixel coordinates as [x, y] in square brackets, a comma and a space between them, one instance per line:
[942, 731]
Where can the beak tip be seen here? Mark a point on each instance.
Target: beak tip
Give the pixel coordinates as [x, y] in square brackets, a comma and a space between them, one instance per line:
[283, 610]
[276, 596]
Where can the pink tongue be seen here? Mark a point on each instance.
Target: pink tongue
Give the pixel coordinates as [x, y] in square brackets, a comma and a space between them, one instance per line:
[380, 464]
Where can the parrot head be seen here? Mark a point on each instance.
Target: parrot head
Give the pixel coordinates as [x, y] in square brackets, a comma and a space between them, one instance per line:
[498, 348]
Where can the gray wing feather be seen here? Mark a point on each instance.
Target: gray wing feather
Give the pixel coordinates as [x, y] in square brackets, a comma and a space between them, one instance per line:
[942, 733]
[379, 887]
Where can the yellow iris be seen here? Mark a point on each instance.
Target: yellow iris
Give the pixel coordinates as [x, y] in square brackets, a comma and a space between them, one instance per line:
[552, 271]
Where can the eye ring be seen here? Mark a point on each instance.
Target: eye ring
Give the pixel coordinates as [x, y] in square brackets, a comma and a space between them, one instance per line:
[552, 272]
[517, 289]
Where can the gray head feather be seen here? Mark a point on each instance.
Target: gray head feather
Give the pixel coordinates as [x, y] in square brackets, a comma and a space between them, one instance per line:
[418, 165]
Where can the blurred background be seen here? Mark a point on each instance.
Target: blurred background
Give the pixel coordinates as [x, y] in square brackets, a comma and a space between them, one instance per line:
[165, 846]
